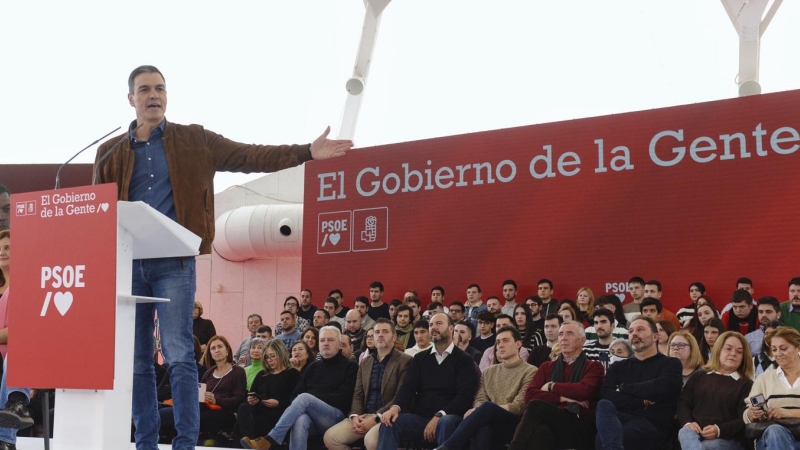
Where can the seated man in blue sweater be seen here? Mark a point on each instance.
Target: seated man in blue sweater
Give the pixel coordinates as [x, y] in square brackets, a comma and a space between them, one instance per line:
[322, 397]
[640, 394]
[439, 387]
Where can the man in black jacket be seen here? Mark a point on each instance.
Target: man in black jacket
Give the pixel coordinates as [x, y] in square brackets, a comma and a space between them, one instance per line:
[322, 397]
[439, 388]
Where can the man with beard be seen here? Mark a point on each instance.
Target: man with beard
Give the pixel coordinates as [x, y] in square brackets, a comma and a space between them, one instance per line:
[377, 308]
[438, 390]
[353, 328]
[493, 306]
[545, 289]
[474, 305]
[790, 310]
[466, 331]
[769, 309]
[404, 327]
[510, 294]
[639, 395]
[361, 305]
[597, 350]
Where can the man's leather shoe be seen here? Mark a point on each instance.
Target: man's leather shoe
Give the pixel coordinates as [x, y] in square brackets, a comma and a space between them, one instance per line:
[258, 443]
[15, 415]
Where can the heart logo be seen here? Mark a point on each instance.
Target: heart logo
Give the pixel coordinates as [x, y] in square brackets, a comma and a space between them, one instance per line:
[334, 238]
[104, 206]
[621, 297]
[63, 302]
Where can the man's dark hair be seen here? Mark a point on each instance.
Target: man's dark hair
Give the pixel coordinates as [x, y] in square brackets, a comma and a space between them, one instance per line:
[5, 190]
[336, 291]
[486, 316]
[513, 330]
[362, 299]
[469, 325]
[653, 326]
[413, 299]
[325, 313]
[650, 301]
[264, 329]
[286, 311]
[700, 286]
[376, 284]
[309, 291]
[140, 70]
[794, 282]
[432, 306]
[504, 316]
[421, 323]
[291, 297]
[334, 301]
[335, 324]
[536, 299]
[604, 313]
[636, 280]
[545, 280]
[744, 280]
[402, 308]
[655, 283]
[493, 297]
[473, 285]
[511, 282]
[772, 301]
[741, 296]
[395, 303]
[438, 288]
[552, 316]
[457, 303]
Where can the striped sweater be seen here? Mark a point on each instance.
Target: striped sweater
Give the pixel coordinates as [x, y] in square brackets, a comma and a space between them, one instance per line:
[775, 392]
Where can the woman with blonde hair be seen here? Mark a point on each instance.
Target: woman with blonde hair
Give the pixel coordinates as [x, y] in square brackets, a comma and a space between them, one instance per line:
[780, 390]
[567, 312]
[270, 394]
[713, 400]
[683, 345]
[585, 301]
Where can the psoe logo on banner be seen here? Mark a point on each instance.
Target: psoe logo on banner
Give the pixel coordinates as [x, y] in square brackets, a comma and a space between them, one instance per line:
[25, 208]
[334, 232]
[67, 277]
[370, 229]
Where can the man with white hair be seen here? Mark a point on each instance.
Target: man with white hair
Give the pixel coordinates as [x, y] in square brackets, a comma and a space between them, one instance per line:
[322, 397]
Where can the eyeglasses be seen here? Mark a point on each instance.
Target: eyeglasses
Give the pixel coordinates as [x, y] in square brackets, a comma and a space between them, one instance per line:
[370, 336]
[272, 356]
[678, 345]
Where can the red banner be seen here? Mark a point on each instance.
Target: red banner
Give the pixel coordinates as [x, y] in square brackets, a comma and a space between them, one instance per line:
[691, 193]
[62, 305]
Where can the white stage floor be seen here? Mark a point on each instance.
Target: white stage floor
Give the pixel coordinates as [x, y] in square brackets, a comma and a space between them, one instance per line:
[38, 444]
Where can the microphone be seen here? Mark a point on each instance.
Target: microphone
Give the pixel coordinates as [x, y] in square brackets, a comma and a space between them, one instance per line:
[58, 173]
[113, 147]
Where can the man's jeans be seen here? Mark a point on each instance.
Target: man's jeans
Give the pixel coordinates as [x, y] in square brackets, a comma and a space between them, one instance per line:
[691, 440]
[618, 431]
[777, 437]
[411, 427]
[9, 434]
[307, 415]
[175, 279]
[488, 426]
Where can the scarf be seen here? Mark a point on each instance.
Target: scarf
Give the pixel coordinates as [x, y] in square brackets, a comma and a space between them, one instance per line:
[403, 334]
[575, 375]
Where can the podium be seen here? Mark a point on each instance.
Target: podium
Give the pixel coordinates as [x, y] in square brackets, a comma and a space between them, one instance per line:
[91, 414]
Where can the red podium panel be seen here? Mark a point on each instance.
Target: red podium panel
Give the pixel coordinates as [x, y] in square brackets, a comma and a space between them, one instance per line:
[62, 307]
[701, 192]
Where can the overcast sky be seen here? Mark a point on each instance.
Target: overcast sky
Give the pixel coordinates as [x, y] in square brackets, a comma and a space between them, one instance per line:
[274, 71]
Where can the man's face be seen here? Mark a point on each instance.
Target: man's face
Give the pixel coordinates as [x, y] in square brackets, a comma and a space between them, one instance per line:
[545, 292]
[337, 296]
[440, 329]
[346, 346]
[328, 344]
[375, 294]
[651, 290]
[535, 309]
[493, 306]
[291, 305]
[637, 291]
[602, 326]
[650, 311]
[253, 323]
[384, 336]
[794, 295]
[742, 309]
[392, 309]
[361, 308]
[569, 339]
[509, 292]
[352, 321]
[502, 323]
[473, 295]
[437, 296]
[766, 314]
[287, 322]
[319, 319]
[414, 309]
[422, 336]
[403, 319]
[746, 286]
[330, 308]
[485, 328]
[265, 335]
[456, 313]
[149, 98]
[5, 211]
[505, 346]
[463, 331]
[642, 337]
[305, 299]
[551, 330]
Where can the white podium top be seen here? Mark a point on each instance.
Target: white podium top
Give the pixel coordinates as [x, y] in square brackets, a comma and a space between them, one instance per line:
[155, 235]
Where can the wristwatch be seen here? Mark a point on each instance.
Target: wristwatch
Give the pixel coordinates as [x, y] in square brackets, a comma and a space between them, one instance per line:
[438, 414]
[376, 418]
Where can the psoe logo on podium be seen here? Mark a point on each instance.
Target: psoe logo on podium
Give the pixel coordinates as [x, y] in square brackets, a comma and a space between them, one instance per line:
[334, 232]
[370, 229]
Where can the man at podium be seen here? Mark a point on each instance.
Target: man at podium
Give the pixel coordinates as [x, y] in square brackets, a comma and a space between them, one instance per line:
[171, 167]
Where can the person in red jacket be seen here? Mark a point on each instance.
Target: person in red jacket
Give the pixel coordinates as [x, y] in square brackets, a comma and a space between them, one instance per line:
[561, 398]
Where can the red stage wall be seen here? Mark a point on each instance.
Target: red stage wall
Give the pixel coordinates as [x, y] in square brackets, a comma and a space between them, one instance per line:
[701, 192]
